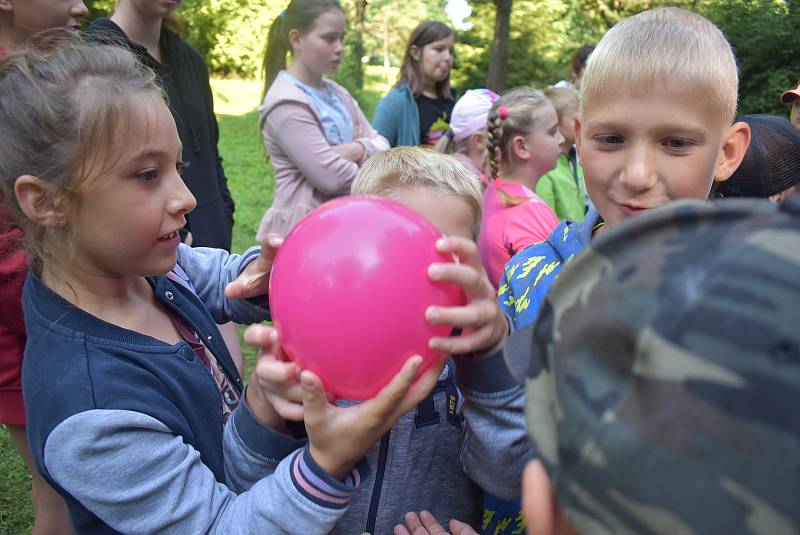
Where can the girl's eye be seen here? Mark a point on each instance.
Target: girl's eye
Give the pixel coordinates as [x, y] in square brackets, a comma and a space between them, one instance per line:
[181, 167]
[148, 175]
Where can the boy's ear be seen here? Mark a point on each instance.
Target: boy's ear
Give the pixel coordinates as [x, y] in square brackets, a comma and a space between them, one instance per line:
[734, 147]
[37, 203]
[577, 126]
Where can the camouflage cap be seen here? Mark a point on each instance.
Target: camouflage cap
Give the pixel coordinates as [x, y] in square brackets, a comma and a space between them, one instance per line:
[662, 376]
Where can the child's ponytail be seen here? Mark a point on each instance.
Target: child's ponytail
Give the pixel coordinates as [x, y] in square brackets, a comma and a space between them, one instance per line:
[445, 144]
[494, 139]
[300, 15]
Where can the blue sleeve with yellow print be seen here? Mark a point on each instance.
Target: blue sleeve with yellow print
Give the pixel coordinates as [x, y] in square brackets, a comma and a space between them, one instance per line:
[529, 274]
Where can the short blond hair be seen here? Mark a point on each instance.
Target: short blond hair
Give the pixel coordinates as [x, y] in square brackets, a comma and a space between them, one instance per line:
[562, 99]
[401, 169]
[663, 45]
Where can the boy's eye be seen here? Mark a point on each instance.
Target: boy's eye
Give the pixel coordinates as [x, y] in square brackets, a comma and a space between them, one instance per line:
[148, 175]
[677, 144]
[181, 167]
[608, 139]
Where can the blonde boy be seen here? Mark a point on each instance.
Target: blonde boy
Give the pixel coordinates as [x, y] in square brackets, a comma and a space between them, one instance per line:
[656, 125]
[563, 188]
[427, 460]
[436, 185]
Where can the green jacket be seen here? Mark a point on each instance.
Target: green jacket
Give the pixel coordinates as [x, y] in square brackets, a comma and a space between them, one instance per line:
[563, 189]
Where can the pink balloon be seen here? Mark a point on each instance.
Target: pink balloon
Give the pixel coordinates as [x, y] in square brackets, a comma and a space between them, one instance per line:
[349, 290]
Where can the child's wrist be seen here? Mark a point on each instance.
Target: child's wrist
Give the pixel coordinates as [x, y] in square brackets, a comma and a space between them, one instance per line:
[262, 409]
[337, 469]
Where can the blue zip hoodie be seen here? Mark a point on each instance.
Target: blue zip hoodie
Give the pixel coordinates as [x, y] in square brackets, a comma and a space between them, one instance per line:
[129, 430]
[529, 274]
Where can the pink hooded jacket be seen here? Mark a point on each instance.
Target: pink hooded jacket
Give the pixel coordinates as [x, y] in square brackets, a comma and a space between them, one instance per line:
[308, 171]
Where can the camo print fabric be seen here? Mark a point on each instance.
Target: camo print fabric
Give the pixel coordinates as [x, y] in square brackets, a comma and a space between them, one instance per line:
[663, 374]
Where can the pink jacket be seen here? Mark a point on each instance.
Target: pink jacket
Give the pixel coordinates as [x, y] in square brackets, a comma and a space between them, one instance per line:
[307, 171]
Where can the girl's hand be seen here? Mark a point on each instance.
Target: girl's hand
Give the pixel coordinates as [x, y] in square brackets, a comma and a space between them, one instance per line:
[254, 280]
[484, 327]
[273, 393]
[352, 151]
[426, 524]
[340, 436]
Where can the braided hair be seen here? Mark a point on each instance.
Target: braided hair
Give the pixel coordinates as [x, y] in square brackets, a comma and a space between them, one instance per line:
[514, 114]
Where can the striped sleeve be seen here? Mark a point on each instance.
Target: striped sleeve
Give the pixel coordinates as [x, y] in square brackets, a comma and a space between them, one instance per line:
[320, 487]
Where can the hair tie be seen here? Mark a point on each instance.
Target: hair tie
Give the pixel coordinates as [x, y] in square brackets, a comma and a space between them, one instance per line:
[449, 134]
[502, 111]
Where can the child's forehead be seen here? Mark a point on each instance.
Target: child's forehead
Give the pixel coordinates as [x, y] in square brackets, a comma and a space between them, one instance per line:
[665, 104]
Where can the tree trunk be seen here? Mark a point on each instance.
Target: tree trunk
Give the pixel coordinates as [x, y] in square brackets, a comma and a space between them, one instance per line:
[498, 62]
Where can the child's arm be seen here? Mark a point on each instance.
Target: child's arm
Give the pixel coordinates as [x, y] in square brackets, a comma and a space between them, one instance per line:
[233, 287]
[496, 445]
[136, 475]
[295, 129]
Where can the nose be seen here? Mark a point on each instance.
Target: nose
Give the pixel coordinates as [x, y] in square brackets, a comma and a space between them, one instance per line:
[79, 10]
[559, 137]
[181, 200]
[639, 173]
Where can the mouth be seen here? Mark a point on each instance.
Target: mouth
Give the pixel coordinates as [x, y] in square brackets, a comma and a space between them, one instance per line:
[631, 209]
[170, 236]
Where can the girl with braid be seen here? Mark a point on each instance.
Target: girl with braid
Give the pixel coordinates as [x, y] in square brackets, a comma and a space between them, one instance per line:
[522, 144]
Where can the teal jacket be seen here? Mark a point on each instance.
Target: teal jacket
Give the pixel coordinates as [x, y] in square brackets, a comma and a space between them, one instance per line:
[530, 273]
[397, 117]
[563, 189]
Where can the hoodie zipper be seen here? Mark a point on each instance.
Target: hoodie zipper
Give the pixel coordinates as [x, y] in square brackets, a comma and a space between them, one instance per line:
[376, 488]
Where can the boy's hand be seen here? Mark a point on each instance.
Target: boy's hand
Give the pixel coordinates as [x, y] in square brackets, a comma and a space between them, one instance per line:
[340, 436]
[426, 524]
[484, 328]
[254, 280]
[273, 393]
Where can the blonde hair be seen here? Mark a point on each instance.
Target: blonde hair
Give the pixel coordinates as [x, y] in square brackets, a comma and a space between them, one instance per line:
[665, 45]
[63, 119]
[523, 106]
[562, 99]
[401, 169]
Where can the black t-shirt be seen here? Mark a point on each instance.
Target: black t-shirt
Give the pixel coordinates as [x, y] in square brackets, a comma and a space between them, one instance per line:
[430, 111]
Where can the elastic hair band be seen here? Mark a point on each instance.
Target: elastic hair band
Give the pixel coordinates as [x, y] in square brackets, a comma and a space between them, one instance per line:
[502, 111]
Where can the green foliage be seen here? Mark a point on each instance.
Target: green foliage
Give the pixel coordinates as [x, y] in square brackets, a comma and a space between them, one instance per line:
[762, 32]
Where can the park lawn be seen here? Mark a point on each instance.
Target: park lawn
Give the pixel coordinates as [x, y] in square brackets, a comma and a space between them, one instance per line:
[250, 179]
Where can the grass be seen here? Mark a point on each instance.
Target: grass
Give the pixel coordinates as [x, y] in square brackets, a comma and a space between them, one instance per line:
[251, 181]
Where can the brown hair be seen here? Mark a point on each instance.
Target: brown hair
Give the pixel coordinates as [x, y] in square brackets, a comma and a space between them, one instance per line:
[300, 15]
[425, 33]
[63, 119]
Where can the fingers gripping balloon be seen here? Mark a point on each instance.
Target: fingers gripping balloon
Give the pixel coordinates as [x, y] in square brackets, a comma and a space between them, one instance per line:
[349, 290]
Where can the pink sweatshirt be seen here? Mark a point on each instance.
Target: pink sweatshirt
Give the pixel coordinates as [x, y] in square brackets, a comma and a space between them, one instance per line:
[506, 230]
[307, 170]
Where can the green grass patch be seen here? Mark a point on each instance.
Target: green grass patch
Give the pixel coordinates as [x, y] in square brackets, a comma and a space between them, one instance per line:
[16, 510]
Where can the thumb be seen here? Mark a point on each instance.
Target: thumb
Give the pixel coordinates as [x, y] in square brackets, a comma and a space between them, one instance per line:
[314, 398]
